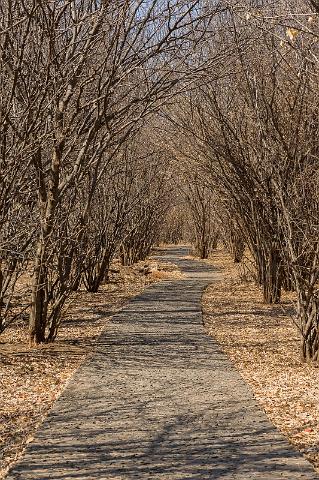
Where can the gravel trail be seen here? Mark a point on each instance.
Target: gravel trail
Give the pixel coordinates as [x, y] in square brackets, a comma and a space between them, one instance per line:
[159, 400]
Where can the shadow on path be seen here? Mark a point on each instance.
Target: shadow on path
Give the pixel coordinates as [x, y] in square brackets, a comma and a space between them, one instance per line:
[159, 400]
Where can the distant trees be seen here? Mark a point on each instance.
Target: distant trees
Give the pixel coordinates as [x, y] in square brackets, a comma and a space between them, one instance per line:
[201, 204]
[151, 199]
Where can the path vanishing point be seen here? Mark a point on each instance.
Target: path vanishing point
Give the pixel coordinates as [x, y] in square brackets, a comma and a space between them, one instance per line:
[159, 400]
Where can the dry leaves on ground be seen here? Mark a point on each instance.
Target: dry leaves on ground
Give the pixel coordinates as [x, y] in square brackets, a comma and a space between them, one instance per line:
[263, 343]
[32, 379]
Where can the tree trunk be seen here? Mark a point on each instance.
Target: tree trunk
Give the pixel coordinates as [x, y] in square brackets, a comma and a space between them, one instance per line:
[38, 314]
[76, 284]
[238, 248]
[308, 317]
[214, 242]
[273, 278]
[47, 203]
[101, 272]
[2, 324]
[269, 274]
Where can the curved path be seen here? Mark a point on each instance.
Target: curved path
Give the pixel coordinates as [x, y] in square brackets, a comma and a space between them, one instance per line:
[159, 400]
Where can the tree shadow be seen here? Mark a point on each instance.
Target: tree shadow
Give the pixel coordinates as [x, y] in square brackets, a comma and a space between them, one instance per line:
[186, 446]
[157, 399]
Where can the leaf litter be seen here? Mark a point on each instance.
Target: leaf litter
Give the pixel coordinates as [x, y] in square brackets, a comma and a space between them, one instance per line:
[263, 343]
[32, 379]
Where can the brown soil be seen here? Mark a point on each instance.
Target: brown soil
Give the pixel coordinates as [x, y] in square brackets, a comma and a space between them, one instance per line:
[263, 343]
[32, 379]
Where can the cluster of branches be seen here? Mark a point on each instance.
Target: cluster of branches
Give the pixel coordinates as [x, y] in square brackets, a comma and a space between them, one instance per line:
[253, 134]
[193, 218]
[84, 169]
[79, 181]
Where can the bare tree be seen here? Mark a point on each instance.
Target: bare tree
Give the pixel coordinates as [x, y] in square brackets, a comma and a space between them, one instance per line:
[86, 74]
[254, 134]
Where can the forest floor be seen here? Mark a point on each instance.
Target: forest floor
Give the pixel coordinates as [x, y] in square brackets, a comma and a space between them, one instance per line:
[32, 379]
[261, 341]
[158, 399]
[263, 344]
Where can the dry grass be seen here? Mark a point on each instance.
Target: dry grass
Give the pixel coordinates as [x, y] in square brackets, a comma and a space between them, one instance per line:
[31, 380]
[164, 275]
[263, 343]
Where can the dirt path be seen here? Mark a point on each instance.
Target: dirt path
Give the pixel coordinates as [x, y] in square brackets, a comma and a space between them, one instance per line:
[159, 400]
